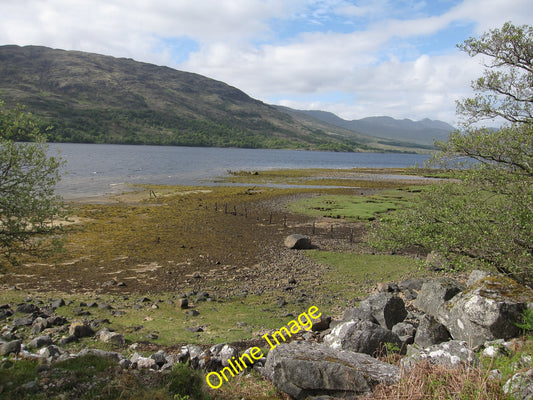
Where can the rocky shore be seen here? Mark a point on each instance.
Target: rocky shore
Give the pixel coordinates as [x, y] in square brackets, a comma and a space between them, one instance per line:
[438, 321]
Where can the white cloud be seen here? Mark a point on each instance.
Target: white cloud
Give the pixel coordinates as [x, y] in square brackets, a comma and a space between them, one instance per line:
[356, 74]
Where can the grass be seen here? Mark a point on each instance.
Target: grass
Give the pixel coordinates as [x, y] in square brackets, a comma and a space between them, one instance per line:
[351, 207]
[351, 275]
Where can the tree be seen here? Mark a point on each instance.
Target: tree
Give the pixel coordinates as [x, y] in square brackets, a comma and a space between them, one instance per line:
[28, 175]
[485, 214]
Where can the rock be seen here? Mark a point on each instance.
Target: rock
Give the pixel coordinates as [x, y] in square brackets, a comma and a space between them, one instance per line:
[406, 332]
[353, 314]
[435, 293]
[50, 352]
[361, 337]
[430, 332]
[5, 313]
[160, 358]
[143, 362]
[31, 387]
[386, 308]
[182, 303]
[115, 338]
[80, 330]
[194, 329]
[101, 353]
[56, 321]
[298, 242]
[476, 276]
[193, 313]
[124, 363]
[520, 386]
[451, 354]
[41, 341]
[226, 353]
[436, 262]
[66, 340]
[58, 303]
[485, 311]
[12, 347]
[27, 308]
[321, 324]
[302, 369]
[104, 306]
[413, 284]
[24, 321]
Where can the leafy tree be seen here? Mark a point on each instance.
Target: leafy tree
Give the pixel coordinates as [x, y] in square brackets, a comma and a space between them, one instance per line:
[28, 176]
[485, 214]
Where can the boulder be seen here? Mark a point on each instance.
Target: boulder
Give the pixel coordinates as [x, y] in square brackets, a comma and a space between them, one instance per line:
[298, 242]
[27, 308]
[226, 353]
[386, 308]
[436, 292]
[160, 358]
[303, 369]
[12, 347]
[101, 353]
[485, 311]
[50, 352]
[430, 332]
[40, 341]
[106, 336]
[520, 385]
[353, 314]
[5, 313]
[143, 362]
[476, 276]
[406, 332]
[80, 330]
[450, 354]
[362, 337]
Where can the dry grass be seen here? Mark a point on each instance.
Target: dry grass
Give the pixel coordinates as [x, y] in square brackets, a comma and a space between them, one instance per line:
[437, 382]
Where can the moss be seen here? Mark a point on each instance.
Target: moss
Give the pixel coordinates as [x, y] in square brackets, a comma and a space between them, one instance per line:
[500, 288]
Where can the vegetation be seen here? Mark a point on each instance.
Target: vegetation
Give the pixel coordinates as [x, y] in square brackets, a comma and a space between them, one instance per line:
[485, 216]
[90, 98]
[28, 176]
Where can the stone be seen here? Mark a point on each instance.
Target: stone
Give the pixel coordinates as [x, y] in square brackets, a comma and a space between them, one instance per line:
[27, 308]
[520, 385]
[12, 347]
[435, 293]
[124, 363]
[58, 303]
[298, 242]
[160, 358]
[40, 341]
[302, 369]
[143, 362]
[113, 355]
[226, 353]
[115, 338]
[386, 308]
[362, 337]
[68, 339]
[430, 332]
[485, 311]
[321, 324]
[476, 276]
[412, 284]
[31, 387]
[56, 320]
[453, 353]
[353, 314]
[24, 321]
[104, 306]
[80, 330]
[436, 262]
[182, 303]
[5, 313]
[406, 332]
[50, 352]
[193, 313]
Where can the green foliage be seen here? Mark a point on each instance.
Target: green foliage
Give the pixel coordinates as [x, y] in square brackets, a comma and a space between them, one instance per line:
[484, 215]
[527, 320]
[186, 383]
[28, 176]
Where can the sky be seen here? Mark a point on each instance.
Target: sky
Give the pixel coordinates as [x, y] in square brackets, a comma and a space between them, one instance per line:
[355, 58]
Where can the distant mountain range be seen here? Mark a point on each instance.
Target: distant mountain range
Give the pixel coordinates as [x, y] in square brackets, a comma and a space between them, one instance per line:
[101, 99]
[423, 132]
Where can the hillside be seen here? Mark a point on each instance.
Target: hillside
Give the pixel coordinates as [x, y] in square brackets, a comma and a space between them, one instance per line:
[423, 132]
[101, 99]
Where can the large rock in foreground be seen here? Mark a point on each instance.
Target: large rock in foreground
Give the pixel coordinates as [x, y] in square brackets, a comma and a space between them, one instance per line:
[298, 242]
[304, 369]
[485, 311]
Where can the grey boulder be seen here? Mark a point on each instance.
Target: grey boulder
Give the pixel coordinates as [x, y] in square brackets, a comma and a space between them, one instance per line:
[435, 293]
[303, 369]
[298, 242]
[386, 308]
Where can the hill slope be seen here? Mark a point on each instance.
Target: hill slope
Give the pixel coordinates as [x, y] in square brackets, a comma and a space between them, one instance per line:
[95, 98]
[423, 132]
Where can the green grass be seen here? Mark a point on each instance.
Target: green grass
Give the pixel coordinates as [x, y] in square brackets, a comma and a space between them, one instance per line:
[351, 207]
[351, 275]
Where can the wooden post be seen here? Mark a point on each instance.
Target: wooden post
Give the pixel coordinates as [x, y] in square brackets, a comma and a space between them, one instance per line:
[270, 218]
[313, 227]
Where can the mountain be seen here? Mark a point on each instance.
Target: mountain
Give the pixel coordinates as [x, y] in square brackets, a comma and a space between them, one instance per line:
[423, 132]
[101, 99]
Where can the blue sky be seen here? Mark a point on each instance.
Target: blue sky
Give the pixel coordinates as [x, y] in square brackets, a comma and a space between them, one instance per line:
[356, 58]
